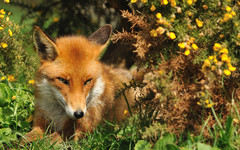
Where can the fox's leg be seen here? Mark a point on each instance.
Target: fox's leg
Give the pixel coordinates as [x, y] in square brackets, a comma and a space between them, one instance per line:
[39, 126]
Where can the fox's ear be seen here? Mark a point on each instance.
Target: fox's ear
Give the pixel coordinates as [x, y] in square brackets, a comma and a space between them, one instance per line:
[46, 48]
[101, 36]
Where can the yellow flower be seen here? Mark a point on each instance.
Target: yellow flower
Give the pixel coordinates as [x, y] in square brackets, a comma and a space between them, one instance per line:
[55, 19]
[210, 105]
[231, 68]
[153, 8]
[181, 45]
[3, 78]
[144, 1]
[227, 16]
[205, 7]
[213, 68]
[125, 112]
[158, 15]
[210, 57]
[160, 30]
[215, 60]
[233, 13]
[7, 18]
[31, 81]
[14, 97]
[189, 2]
[172, 35]
[10, 32]
[190, 14]
[198, 103]
[6, 1]
[192, 39]
[199, 23]
[160, 72]
[228, 60]
[228, 9]
[173, 3]
[227, 72]
[221, 36]
[153, 33]
[207, 101]
[4, 45]
[194, 46]
[1, 16]
[207, 63]
[1, 28]
[164, 2]
[187, 52]
[2, 11]
[224, 57]
[133, 1]
[217, 47]
[10, 78]
[224, 51]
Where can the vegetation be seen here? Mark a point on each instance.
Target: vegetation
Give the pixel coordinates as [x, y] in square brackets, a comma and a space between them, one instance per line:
[188, 54]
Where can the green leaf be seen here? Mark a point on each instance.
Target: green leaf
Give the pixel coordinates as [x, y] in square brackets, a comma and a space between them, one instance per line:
[5, 131]
[142, 145]
[229, 130]
[166, 143]
[3, 95]
[172, 147]
[185, 148]
[202, 146]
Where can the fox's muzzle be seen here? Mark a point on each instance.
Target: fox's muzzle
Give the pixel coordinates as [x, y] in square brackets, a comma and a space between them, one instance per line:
[78, 114]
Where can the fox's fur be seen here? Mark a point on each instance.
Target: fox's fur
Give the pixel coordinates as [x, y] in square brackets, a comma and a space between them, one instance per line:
[73, 89]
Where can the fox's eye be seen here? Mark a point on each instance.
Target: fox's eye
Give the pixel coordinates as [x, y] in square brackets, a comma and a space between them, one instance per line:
[62, 80]
[88, 81]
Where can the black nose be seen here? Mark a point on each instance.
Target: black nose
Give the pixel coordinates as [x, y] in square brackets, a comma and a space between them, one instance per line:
[78, 114]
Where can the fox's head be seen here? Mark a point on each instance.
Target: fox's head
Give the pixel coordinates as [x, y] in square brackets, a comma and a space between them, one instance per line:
[70, 72]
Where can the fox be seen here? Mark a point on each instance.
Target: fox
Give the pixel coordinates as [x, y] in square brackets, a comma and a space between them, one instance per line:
[75, 91]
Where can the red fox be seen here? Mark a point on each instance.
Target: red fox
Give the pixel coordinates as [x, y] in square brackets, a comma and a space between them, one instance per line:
[73, 89]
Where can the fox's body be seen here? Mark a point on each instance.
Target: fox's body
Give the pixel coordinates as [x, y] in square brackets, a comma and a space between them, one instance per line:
[73, 89]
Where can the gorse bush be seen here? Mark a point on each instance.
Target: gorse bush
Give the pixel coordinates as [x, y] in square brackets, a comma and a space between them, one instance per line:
[13, 44]
[190, 52]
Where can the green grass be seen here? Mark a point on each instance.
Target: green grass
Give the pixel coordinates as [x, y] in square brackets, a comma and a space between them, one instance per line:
[130, 134]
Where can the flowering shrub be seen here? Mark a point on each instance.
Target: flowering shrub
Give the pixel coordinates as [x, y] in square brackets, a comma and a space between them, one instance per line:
[13, 57]
[190, 52]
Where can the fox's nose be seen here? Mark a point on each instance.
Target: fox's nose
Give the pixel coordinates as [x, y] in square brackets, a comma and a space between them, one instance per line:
[78, 114]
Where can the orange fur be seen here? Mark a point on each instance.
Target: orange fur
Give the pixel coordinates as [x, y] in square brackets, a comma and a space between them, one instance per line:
[72, 79]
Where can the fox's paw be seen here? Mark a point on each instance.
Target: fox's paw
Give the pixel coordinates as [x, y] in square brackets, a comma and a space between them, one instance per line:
[55, 138]
[33, 135]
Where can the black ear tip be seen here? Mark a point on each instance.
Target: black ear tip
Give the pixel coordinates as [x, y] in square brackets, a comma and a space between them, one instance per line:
[102, 35]
[36, 31]
[36, 28]
[108, 27]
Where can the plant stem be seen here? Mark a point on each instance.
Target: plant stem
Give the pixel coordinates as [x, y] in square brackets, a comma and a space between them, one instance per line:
[129, 109]
[213, 111]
